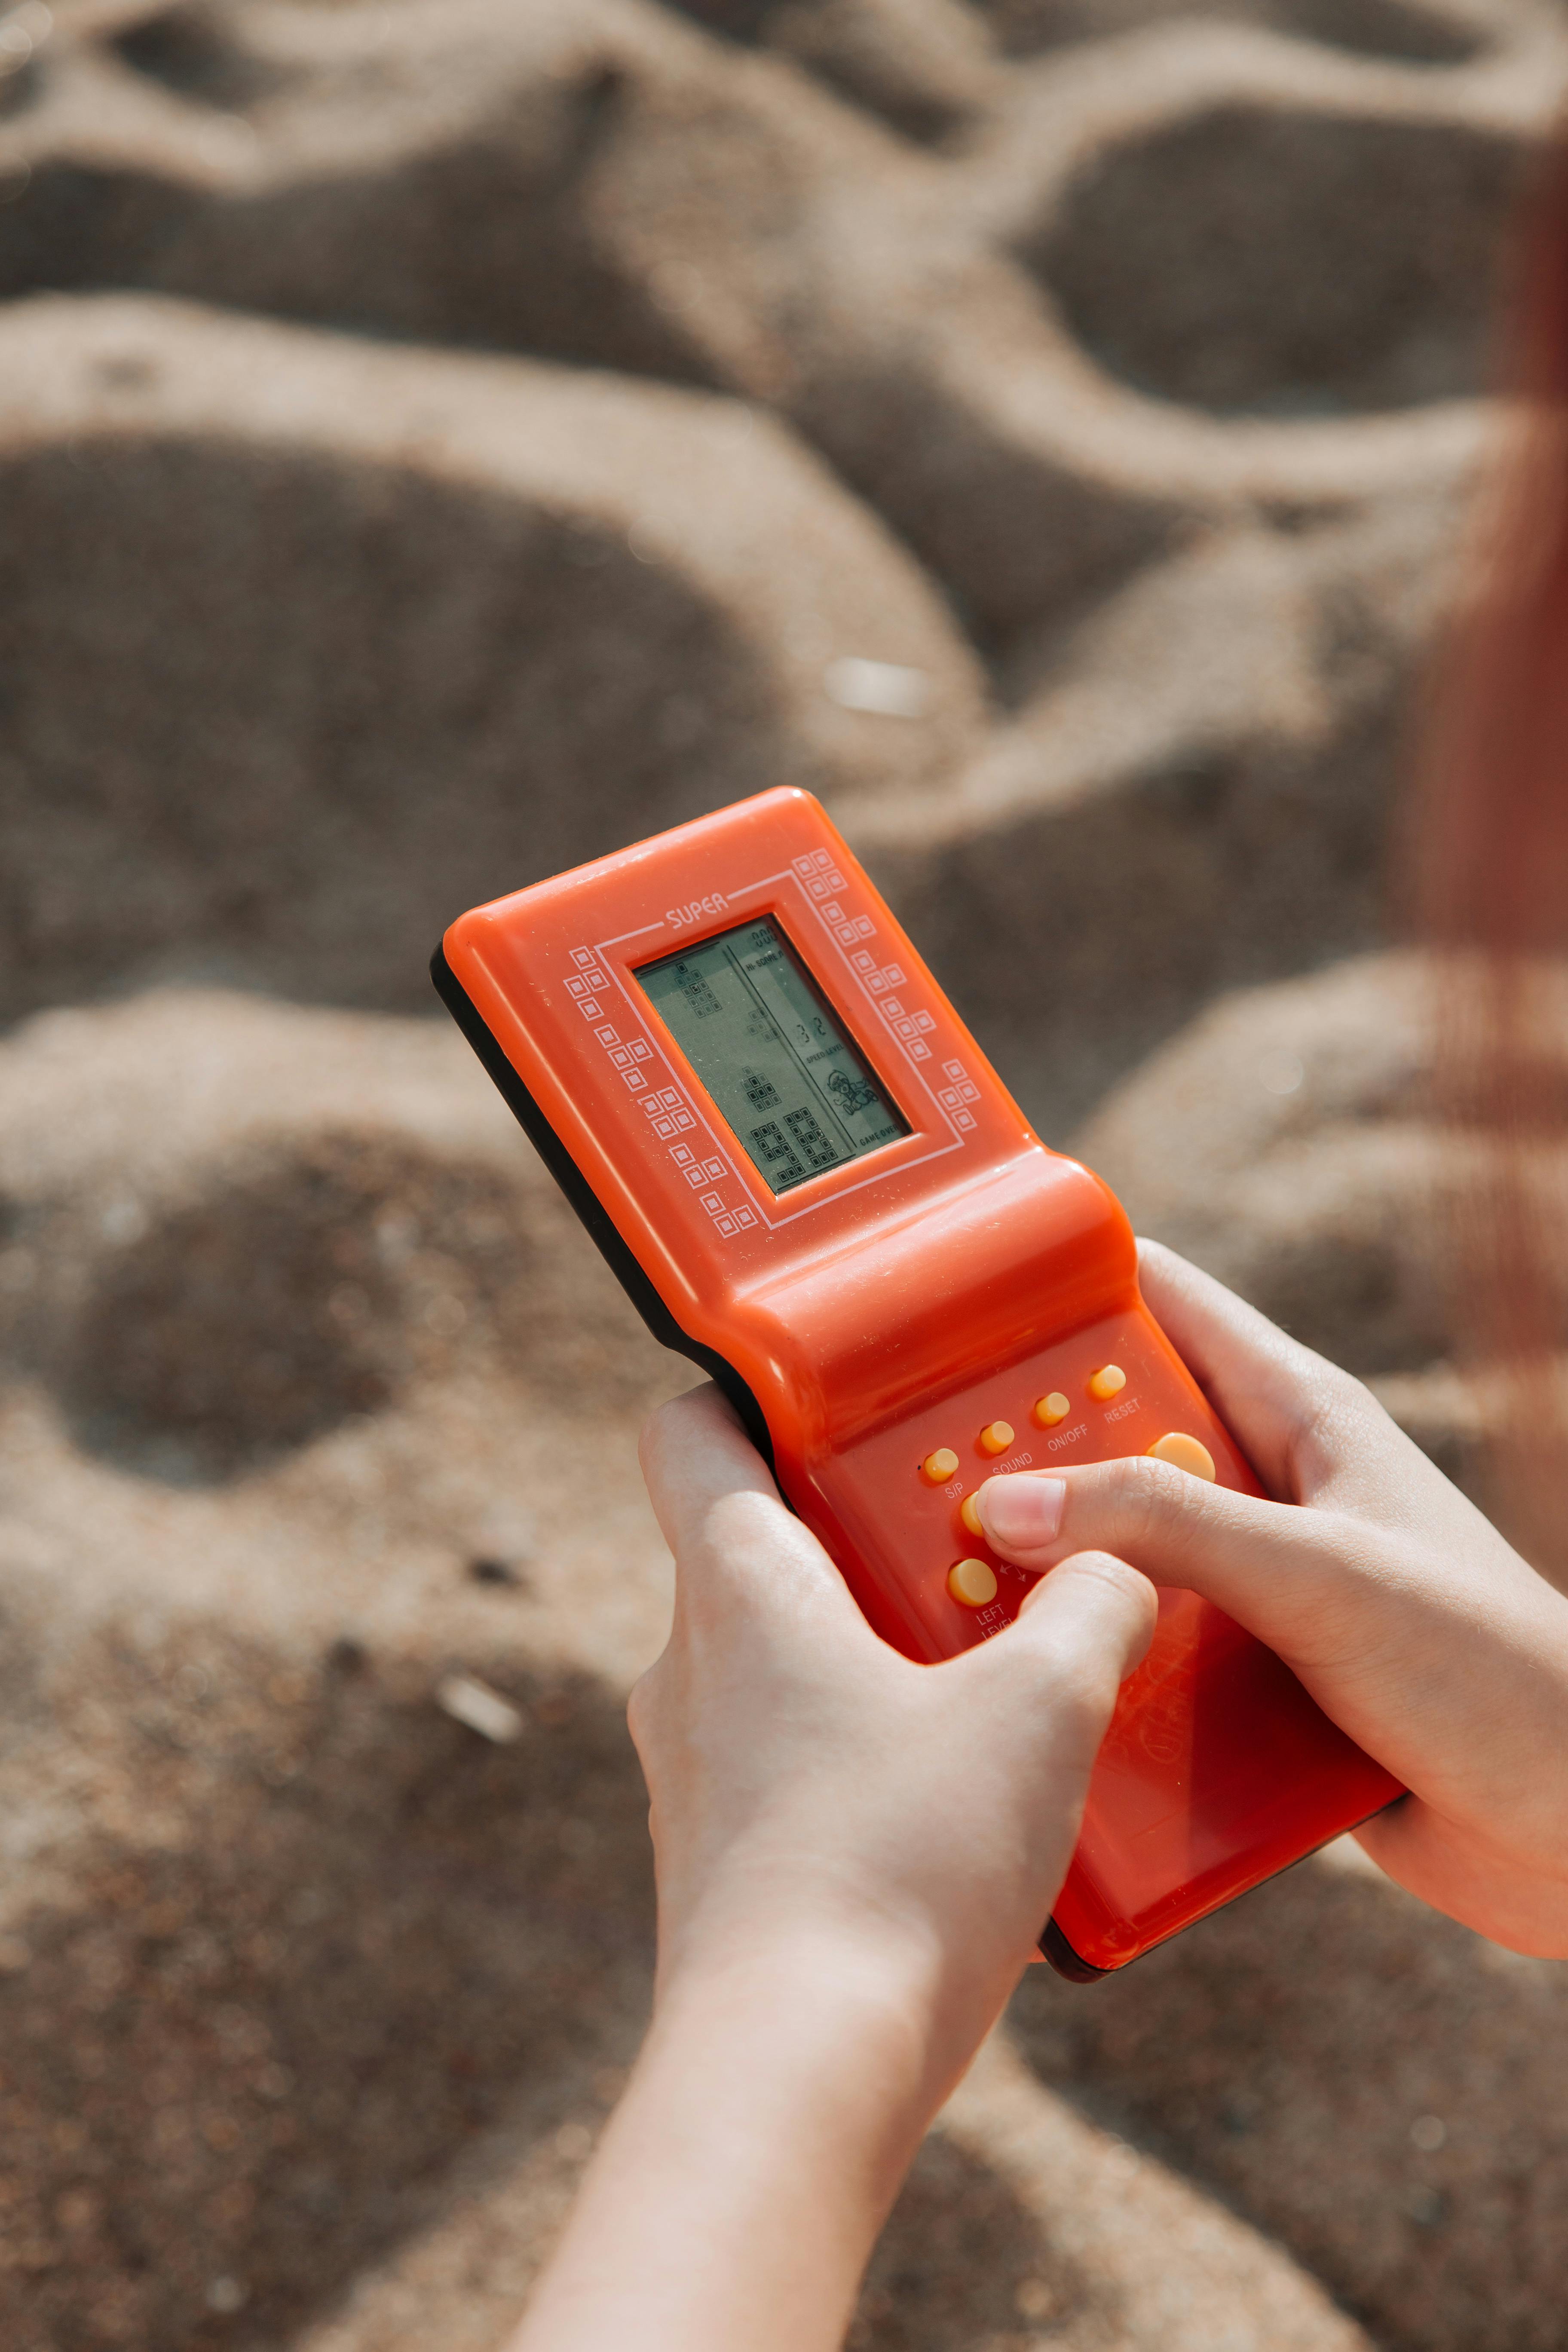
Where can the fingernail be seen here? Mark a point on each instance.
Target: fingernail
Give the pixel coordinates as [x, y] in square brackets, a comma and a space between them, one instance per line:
[1023, 1512]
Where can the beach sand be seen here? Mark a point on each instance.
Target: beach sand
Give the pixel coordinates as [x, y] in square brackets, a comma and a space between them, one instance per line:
[442, 440]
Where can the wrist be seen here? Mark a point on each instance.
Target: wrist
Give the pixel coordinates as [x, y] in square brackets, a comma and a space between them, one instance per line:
[892, 1973]
[780, 2097]
[1514, 1895]
[795, 1997]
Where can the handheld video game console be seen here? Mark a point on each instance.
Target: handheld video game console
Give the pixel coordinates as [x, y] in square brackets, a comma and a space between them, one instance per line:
[811, 1181]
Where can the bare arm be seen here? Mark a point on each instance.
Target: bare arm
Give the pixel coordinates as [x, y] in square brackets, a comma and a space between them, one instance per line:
[855, 1858]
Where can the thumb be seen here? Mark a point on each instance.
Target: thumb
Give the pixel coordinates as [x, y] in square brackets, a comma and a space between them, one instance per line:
[1283, 1570]
[1050, 1680]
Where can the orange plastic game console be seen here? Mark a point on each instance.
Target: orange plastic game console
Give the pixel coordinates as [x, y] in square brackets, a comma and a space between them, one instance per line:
[811, 1181]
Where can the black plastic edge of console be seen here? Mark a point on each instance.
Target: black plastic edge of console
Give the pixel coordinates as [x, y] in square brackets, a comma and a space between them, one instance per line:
[1066, 1961]
[615, 1251]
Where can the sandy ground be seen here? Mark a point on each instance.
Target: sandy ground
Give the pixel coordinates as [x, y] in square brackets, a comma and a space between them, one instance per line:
[440, 439]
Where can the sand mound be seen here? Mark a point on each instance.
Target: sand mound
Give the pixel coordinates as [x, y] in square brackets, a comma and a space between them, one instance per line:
[568, 606]
[1282, 1142]
[540, 615]
[440, 440]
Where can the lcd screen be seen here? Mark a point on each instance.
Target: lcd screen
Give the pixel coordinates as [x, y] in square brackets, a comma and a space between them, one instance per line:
[750, 1020]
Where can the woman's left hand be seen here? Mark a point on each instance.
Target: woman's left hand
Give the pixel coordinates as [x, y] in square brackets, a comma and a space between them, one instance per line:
[855, 1857]
[807, 1777]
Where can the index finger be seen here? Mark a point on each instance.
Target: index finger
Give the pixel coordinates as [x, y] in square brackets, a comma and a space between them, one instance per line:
[1279, 1400]
[721, 1514]
[692, 1450]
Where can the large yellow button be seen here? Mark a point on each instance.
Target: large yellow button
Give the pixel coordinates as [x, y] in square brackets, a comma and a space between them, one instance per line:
[1185, 1452]
[940, 1466]
[996, 1437]
[971, 1582]
[1049, 1410]
[968, 1511]
[1107, 1382]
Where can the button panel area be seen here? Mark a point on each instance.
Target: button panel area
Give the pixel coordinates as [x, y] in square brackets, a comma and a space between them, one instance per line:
[907, 1494]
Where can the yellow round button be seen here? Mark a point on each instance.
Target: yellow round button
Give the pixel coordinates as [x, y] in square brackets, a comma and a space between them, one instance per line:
[1049, 1410]
[940, 1466]
[972, 1582]
[969, 1513]
[996, 1437]
[1185, 1452]
[1107, 1382]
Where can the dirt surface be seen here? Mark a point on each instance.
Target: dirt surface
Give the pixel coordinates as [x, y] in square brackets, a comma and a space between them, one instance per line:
[442, 439]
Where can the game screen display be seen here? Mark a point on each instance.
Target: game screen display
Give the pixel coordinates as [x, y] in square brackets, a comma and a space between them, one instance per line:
[750, 1020]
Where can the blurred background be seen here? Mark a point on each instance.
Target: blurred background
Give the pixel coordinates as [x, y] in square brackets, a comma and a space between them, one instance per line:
[441, 440]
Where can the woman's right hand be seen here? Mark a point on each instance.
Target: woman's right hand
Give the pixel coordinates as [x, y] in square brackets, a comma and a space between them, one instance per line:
[1403, 1611]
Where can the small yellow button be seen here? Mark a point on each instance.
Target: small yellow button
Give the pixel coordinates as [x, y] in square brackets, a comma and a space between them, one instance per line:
[1185, 1452]
[969, 1514]
[940, 1466]
[1107, 1382]
[1049, 1410]
[996, 1437]
[971, 1582]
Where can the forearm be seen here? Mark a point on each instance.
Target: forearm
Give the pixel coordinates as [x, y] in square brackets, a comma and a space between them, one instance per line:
[1517, 1895]
[741, 2182]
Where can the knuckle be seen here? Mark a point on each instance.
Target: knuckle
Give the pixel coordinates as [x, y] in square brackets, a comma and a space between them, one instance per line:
[643, 1708]
[1167, 1491]
[1113, 1605]
[1333, 1404]
[636, 1710]
[1155, 1499]
[1334, 1390]
[1104, 1568]
[676, 1417]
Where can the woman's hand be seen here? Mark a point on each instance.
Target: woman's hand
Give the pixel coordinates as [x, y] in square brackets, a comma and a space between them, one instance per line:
[1402, 1609]
[855, 1858]
[804, 1775]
